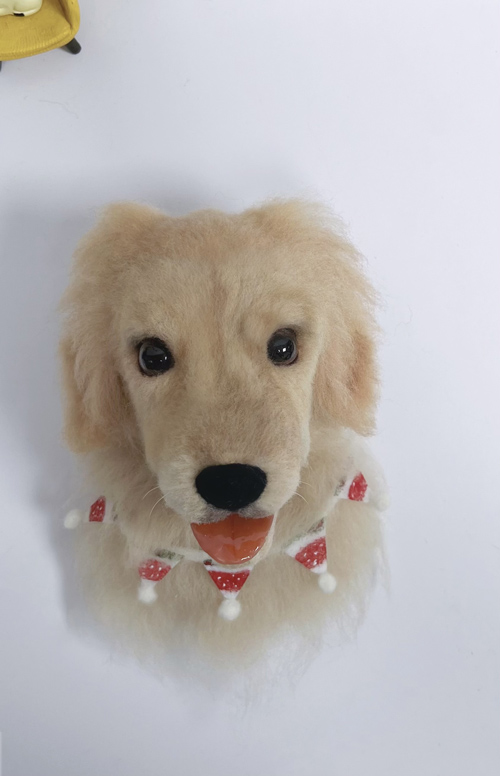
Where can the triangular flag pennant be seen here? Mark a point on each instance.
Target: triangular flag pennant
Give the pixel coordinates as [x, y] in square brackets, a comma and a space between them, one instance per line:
[310, 551]
[101, 511]
[354, 488]
[152, 571]
[229, 583]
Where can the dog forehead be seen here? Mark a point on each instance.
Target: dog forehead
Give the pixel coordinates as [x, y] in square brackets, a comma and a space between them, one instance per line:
[234, 278]
[208, 275]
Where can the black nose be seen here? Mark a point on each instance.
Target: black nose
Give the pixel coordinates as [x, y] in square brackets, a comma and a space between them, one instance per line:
[231, 486]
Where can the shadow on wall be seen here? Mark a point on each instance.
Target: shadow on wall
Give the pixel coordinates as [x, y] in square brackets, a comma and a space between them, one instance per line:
[37, 246]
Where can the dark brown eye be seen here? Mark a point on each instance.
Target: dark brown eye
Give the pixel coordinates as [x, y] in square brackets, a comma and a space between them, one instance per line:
[154, 357]
[282, 348]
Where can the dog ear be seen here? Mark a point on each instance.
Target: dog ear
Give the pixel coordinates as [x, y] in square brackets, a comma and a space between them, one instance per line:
[346, 380]
[346, 383]
[96, 403]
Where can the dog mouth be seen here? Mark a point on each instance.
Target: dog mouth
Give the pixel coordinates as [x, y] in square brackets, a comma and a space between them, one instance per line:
[234, 540]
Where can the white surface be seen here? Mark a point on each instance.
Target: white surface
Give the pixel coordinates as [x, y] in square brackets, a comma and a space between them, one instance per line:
[389, 111]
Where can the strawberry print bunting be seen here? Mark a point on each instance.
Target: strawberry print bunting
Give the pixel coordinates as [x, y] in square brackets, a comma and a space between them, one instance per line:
[354, 488]
[153, 570]
[358, 488]
[309, 550]
[313, 556]
[229, 583]
[97, 511]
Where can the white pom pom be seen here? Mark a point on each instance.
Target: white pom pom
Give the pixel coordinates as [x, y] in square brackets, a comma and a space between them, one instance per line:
[147, 593]
[327, 582]
[229, 609]
[73, 518]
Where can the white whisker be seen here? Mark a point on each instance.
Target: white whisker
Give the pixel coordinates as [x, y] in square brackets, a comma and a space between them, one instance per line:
[157, 487]
[154, 505]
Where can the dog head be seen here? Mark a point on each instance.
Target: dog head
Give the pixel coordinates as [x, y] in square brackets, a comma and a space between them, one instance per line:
[215, 343]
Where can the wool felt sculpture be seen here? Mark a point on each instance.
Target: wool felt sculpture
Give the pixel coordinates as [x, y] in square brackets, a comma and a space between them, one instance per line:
[220, 373]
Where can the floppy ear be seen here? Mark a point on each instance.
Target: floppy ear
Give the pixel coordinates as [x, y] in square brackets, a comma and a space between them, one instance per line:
[346, 384]
[346, 379]
[96, 403]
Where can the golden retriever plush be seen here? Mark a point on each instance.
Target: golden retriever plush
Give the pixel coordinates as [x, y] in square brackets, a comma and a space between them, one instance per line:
[219, 374]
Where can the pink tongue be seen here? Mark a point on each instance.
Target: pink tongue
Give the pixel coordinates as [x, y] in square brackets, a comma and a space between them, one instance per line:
[234, 540]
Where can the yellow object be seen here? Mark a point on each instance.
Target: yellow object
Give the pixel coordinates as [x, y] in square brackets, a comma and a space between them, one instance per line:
[53, 26]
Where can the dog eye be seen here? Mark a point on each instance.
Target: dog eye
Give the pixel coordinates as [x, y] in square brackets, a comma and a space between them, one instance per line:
[282, 348]
[154, 357]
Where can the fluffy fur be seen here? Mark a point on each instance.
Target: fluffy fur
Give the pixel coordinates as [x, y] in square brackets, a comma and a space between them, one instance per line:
[215, 287]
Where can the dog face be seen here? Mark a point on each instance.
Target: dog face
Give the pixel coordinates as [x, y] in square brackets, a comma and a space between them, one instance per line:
[215, 343]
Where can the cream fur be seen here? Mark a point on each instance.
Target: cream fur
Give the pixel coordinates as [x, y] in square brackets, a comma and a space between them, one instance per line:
[215, 287]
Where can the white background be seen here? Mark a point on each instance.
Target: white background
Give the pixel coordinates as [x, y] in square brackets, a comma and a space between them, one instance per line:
[389, 112]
